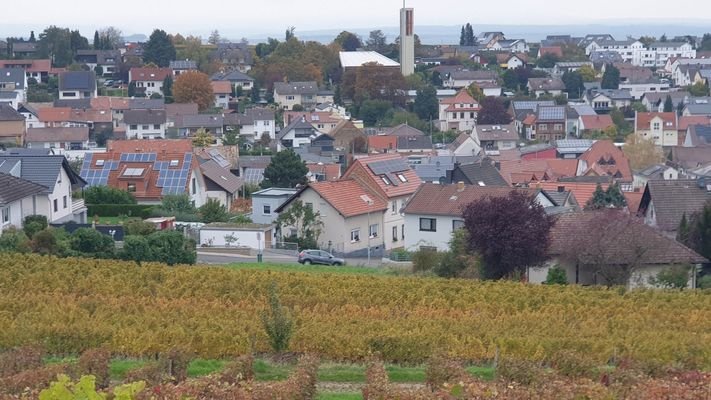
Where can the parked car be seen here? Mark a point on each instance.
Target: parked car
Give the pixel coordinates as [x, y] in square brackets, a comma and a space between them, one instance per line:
[108, 83]
[319, 257]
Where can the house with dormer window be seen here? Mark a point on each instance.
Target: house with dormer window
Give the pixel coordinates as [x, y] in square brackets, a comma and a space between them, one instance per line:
[149, 80]
[661, 128]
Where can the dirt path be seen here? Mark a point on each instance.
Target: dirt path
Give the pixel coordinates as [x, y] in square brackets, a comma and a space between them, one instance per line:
[357, 387]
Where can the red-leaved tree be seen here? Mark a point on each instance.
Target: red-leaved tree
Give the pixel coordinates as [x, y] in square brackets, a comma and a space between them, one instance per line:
[509, 233]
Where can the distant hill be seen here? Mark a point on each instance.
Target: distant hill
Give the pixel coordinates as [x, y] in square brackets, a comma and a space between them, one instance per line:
[139, 37]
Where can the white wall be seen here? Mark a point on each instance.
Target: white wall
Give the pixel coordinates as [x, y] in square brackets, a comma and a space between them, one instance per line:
[254, 239]
[62, 189]
[414, 238]
[151, 87]
[16, 216]
[140, 133]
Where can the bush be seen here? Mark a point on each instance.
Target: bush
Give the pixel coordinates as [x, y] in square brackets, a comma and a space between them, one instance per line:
[441, 370]
[92, 242]
[138, 228]
[14, 240]
[572, 364]
[171, 247]
[95, 362]
[30, 380]
[44, 242]
[556, 276]
[704, 282]
[117, 210]
[20, 359]
[674, 277]
[136, 248]
[520, 371]
[213, 211]
[107, 195]
[177, 203]
[242, 369]
[277, 321]
[153, 374]
[34, 224]
[425, 260]
[175, 364]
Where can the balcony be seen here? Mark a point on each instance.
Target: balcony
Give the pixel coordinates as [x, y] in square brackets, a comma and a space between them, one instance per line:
[78, 206]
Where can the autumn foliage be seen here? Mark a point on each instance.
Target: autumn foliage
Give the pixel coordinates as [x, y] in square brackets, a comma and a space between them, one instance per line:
[194, 87]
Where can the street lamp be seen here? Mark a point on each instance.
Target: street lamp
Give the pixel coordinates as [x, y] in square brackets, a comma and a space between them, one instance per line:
[369, 202]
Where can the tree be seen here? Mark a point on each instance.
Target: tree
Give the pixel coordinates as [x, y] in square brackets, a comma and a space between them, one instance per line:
[509, 233]
[99, 70]
[168, 89]
[618, 118]
[547, 60]
[466, 38]
[194, 87]
[306, 223]
[91, 242]
[32, 37]
[611, 77]
[107, 195]
[426, 103]
[705, 42]
[171, 247]
[510, 80]
[476, 92]
[231, 136]
[136, 248]
[348, 41]
[214, 37]
[699, 236]
[14, 240]
[642, 153]
[587, 73]
[647, 40]
[138, 228]
[682, 234]
[254, 96]
[203, 138]
[674, 277]
[573, 84]
[277, 321]
[376, 41]
[111, 38]
[33, 224]
[668, 104]
[436, 79]
[463, 37]
[663, 38]
[373, 81]
[286, 170]
[213, 211]
[177, 203]
[289, 33]
[97, 41]
[493, 112]
[132, 89]
[610, 198]
[56, 44]
[698, 89]
[457, 262]
[159, 49]
[556, 276]
[372, 111]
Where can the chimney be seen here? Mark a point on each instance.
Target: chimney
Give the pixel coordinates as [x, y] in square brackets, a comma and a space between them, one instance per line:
[497, 165]
[460, 186]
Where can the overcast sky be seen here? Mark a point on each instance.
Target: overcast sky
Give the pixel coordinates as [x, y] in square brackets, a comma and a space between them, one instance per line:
[247, 17]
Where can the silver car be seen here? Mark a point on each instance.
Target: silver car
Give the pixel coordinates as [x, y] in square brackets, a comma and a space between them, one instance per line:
[319, 257]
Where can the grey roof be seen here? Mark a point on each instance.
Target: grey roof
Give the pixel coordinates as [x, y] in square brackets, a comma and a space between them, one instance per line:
[666, 44]
[698, 109]
[582, 109]
[483, 171]
[222, 177]
[657, 97]
[254, 161]
[554, 113]
[8, 95]
[259, 114]
[404, 130]
[613, 94]
[232, 76]
[13, 188]
[294, 88]
[100, 57]
[76, 104]
[297, 123]
[136, 117]
[183, 64]
[146, 104]
[672, 199]
[655, 171]
[201, 121]
[57, 134]
[546, 84]
[41, 169]
[700, 135]
[572, 64]
[474, 75]
[24, 47]
[275, 192]
[531, 105]
[13, 75]
[8, 113]
[573, 146]
[605, 56]
[496, 132]
[77, 80]
[435, 168]
[416, 142]
[534, 148]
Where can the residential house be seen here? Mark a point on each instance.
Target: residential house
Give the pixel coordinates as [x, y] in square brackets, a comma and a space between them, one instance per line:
[253, 124]
[488, 39]
[222, 91]
[174, 112]
[653, 173]
[145, 124]
[665, 202]
[189, 125]
[11, 99]
[182, 66]
[149, 80]
[403, 130]
[323, 121]
[116, 106]
[458, 112]
[58, 179]
[688, 158]
[511, 46]
[464, 78]
[604, 100]
[435, 211]
[562, 67]
[296, 134]
[17, 200]
[13, 81]
[550, 123]
[512, 61]
[556, 51]
[348, 136]
[604, 57]
[265, 203]
[98, 121]
[698, 135]
[698, 106]
[524, 173]
[482, 172]
[31, 115]
[57, 138]
[658, 127]
[624, 241]
[658, 53]
[604, 159]
[464, 145]
[306, 94]
[236, 79]
[382, 143]
[251, 168]
[638, 88]
[108, 60]
[322, 172]
[39, 70]
[234, 55]
[146, 104]
[594, 37]
[392, 180]
[352, 217]
[543, 86]
[524, 111]
[23, 49]
[148, 169]
[630, 50]
[703, 76]
[595, 123]
[414, 144]
[77, 85]
[574, 148]
[220, 183]
[494, 138]
[654, 101]
[684, 123]
[12, 126]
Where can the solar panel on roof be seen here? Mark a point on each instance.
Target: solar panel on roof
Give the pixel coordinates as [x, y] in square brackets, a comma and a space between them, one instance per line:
[388, 166]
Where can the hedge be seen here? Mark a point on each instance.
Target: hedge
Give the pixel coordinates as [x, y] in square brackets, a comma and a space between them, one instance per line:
[116, 210]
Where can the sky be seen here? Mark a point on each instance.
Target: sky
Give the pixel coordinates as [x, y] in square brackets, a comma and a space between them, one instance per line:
[240, 18]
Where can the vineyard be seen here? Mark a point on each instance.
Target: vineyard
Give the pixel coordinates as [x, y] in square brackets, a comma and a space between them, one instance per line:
[70, 305]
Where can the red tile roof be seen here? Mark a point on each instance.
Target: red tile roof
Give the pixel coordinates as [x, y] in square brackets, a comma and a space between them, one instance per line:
[150, 74]
[360, 171]
[67, 114]
[32, 66]
[462, 97]
[645, 118]
[597, 122]
[348, 197]
[382, 143]
[221, 87]
[150, 146]
[633, 201]
[614, 160]
[582, 191]
[331, 171]
[110, 103]
[432, 199]
[686, 121]
[525, 171]
[555, 50]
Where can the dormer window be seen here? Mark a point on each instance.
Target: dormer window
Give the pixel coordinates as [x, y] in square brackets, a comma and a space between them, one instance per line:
[386, 181]
[402, 178]
[99, 163]
[174, 163]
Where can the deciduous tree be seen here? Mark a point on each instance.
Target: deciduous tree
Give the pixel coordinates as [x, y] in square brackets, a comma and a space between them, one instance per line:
[509, 233]
[348, 41]
[159, 49]
[426, 104]
[286, 170]
[203, 138]
[194, 87]
[493, 112]
[587, 73]
[376, 41]
[642, 153]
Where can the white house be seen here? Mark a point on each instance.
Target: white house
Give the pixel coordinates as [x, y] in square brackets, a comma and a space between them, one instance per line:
[14, 80]
[458, 112]
[220, 183]
[236, 78]
[57, 138]
[543, 86]
[77, 85]
[253, 124]
[495, 138]
[307, 94]
[145, 124]
[658, 53]
[18, 199]
[630, 50]
[149, 80]
[464, 78]
[464, 145]
[182, 66]
[513, 46]
[661, 128]
[638, 89]
[296, 134]
[222, 91]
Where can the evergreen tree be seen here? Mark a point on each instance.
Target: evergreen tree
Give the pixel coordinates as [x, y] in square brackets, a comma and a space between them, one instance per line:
[463, 37]
[97, 41]
[611, 77]
[159, 49]
[682, 235]
[168, 89]
[615, 197]
[337, 97]
[610, 198]
[470, 35]
[426, 103]
[286, 170]
[32, 37]
[598, 200]
[254, 95]
[668, 104]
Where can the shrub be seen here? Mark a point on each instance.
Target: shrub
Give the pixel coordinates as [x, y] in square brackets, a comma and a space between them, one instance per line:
[153, 374]
[33, 224]
[95, 362]
[242, 369]
[45, 242]
[213, 211]
[138, 227]
[572, 364]
[556, 276]
[14, 240]
[520, 371]
[136, 248]
[20, 359]
[85, 388]
[425, 260]
[704, 282]
[171, 247]
[107, 195]
[277, 321]
[30, 380]
[175, 364]
[92, 242]
[177, 203]
[118, 210]
[674, 277]
[441, 370]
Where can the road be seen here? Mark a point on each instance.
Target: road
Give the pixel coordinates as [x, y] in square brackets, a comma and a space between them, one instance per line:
[222, 258]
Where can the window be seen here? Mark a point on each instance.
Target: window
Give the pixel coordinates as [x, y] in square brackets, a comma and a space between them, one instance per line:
[395, 233]
[133, 127]
[174, 163]
[373, 231]
[656, 126]
[428, 225]
[542, 127]
[69, 94]
[156, 126]
[386, 181]
[355, 235]
[557, 127]
[145, 127]
[402, 231]
[402, 178]
[310, 206]
[131, 188]
[457, 224]
[393, 207]
[267, 209]
[290, 97]
[56, 205]
[6, 215]
[461, 115]
[99, 163]
[64, 202]
[194, 185]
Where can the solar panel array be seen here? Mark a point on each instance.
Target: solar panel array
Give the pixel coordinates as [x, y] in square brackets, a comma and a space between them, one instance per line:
[97, 176]
[388, 166]
[173, 180]
[555, 113]
[254, 175]
[138, 157]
